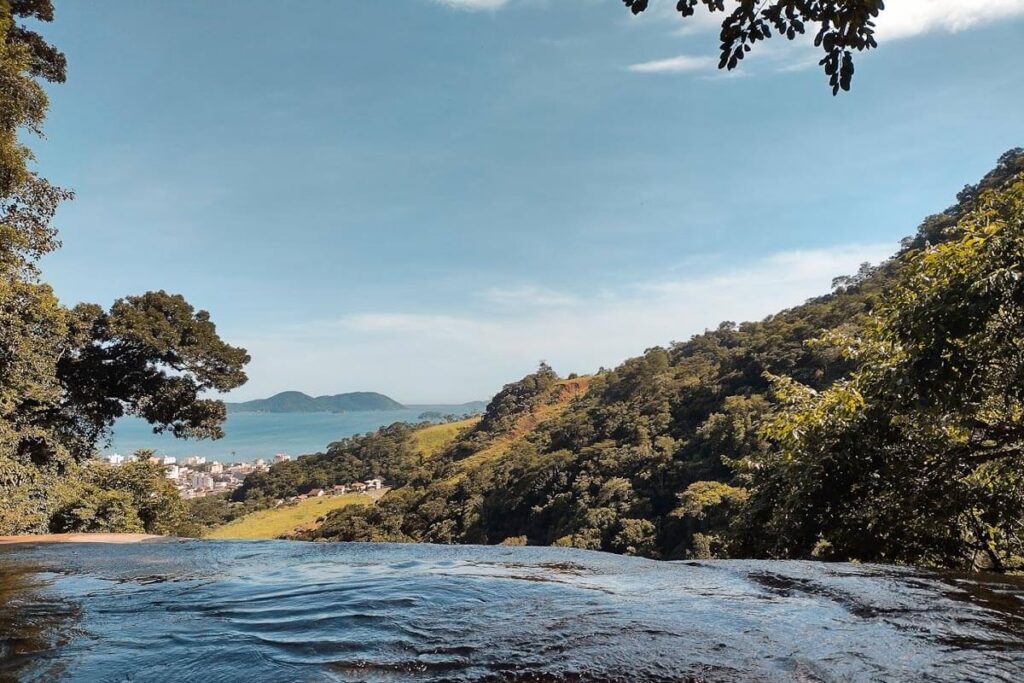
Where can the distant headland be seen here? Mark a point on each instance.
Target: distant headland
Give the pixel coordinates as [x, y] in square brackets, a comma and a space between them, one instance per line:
[298, 402]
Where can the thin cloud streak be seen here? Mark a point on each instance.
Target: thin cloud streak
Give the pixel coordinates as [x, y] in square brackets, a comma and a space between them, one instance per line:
[419, 357]
[680, 64]
[473, 5]
[528, 295]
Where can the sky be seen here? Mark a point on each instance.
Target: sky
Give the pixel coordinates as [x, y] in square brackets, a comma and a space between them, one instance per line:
[427, 197]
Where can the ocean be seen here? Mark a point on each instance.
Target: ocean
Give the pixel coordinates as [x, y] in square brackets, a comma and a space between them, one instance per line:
[249, 436]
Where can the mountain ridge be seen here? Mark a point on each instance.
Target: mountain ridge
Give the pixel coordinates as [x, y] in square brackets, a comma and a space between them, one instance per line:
[299, 402]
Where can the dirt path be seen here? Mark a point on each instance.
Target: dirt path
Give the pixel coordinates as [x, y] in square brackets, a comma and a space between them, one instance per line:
[77, 538]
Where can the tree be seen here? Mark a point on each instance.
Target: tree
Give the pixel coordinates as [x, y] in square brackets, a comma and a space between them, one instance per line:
[150, 355]
[841, 26]
[133, 497]
[917, 456]
[67, 374]
[97, 510]
[155, 499]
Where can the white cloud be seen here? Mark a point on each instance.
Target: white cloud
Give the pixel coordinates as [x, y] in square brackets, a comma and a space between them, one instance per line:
[450, 357]
[680, 64]
[528, 295]
[437, 326]
[473, 4]
[906, 18]
[899, 19]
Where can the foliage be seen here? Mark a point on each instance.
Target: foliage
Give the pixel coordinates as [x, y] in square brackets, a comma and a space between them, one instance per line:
[842, 26]
[878, 422]
[508, 405]
[386, 454]
[67, 374]
[399, 453]
[916, 457]
[135, 496]
[215, 510]
[99, 510]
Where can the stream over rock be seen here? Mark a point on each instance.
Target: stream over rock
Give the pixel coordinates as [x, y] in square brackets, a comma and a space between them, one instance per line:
[284, 611]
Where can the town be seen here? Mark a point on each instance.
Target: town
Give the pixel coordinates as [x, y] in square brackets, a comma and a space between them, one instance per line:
[197, 476]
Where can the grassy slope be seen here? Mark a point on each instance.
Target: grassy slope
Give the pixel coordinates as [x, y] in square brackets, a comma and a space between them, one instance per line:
[304, 515]
[561, 394]
[430, 441]
[287, 518]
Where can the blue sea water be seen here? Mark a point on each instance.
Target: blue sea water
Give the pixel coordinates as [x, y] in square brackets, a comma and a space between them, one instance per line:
[261, 435]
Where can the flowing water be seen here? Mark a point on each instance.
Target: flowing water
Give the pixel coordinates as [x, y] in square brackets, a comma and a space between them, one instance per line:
[285, 611]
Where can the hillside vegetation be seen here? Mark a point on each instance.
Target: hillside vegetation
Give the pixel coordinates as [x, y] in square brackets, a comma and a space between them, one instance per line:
[388, 454]
[883, 421]
[555, 400]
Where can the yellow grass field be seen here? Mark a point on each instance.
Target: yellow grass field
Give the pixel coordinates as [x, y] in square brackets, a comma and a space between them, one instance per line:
[287, 518]
[430, 441]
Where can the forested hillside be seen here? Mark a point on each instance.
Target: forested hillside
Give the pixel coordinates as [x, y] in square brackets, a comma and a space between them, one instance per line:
[881, 421]
[387, 453]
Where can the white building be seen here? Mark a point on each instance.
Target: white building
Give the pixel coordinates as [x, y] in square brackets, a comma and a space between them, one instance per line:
[216, 467]
[114, 459]
[195, 460]
[173, 472]
[198, 480]
[373, 484]
[282, 457]
[169, 460]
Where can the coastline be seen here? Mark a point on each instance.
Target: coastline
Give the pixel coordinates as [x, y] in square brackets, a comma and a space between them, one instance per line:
[78, 538]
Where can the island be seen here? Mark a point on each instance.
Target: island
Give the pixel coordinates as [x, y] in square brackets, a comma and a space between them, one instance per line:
[298, 402]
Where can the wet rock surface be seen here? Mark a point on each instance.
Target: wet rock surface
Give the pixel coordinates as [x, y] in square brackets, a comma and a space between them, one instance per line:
[282, 611]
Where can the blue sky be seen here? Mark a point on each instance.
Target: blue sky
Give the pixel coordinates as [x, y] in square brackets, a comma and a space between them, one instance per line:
[426, 197]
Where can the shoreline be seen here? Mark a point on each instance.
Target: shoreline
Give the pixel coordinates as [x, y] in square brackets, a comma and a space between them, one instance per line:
[78, 538]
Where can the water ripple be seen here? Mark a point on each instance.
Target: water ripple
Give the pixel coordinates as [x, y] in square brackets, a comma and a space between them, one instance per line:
[225, 611]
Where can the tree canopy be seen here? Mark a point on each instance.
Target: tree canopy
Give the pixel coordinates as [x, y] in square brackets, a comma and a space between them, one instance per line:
[67, 373]
[917, 454]
[840, 27]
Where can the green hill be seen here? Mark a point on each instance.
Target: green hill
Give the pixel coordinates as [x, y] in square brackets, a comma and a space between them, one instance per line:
[298, 402]
[883, 421]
